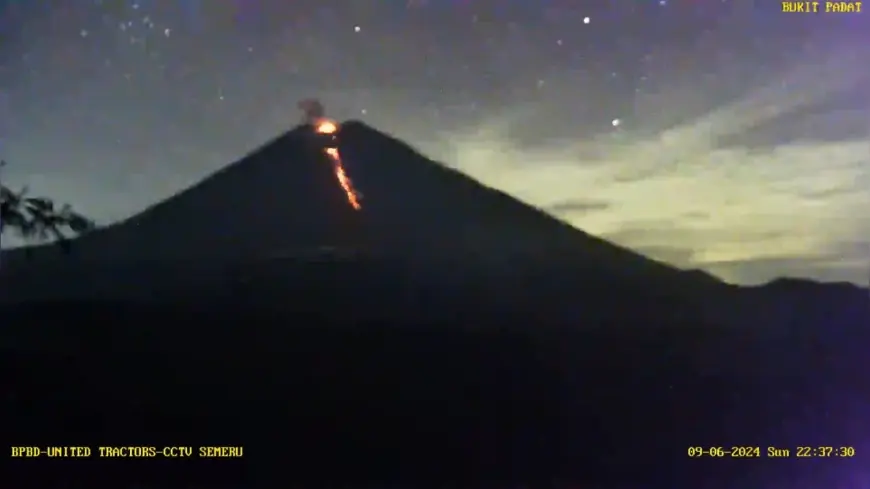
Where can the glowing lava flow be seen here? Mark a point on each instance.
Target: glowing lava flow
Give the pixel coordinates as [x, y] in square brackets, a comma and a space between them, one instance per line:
[326, 126]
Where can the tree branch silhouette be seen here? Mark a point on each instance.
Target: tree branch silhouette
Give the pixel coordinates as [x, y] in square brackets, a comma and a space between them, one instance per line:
[39, 218]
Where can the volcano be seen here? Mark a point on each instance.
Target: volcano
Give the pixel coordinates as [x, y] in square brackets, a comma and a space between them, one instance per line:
[286, 200]
[285, 197]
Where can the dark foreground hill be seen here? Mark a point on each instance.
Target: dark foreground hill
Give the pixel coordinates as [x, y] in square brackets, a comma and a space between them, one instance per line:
[467, 403]
[444, 335]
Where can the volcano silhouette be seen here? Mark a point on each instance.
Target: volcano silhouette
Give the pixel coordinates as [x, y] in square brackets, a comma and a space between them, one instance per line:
[427, 241]
[284, 197]
[284, 200]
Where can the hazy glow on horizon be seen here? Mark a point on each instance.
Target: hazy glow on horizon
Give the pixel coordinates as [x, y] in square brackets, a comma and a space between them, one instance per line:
[744, 214]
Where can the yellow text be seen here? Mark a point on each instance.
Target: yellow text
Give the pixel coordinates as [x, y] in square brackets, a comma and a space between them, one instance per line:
[144, 451]
[51, 451]
[235, 452]
[819, 7]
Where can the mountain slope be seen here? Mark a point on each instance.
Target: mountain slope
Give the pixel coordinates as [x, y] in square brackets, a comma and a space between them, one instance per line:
[446, 207]
[280, 196]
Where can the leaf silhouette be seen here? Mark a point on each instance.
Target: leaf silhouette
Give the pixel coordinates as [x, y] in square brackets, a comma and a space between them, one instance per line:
[39, 218]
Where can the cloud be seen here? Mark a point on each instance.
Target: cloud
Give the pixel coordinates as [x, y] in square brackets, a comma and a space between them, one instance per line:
[577, 206]
[728, 205]
[748, 214]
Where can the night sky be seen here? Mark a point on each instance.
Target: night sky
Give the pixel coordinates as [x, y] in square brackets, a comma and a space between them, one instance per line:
[710, 134]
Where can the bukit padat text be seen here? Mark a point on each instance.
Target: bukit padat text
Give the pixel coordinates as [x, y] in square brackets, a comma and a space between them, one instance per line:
[822, 7]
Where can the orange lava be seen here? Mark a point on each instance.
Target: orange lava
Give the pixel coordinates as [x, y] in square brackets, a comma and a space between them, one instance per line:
[326, 126]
